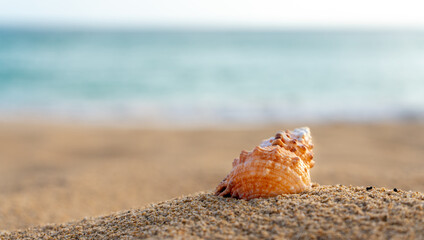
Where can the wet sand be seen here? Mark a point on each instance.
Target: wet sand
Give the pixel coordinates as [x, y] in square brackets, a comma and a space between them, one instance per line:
[60, 173]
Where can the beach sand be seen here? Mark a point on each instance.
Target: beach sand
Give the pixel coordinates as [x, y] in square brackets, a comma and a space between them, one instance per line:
[325, 212]
[53, 173]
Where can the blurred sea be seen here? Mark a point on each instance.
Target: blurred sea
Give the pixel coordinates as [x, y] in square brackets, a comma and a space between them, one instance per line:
[183, 77]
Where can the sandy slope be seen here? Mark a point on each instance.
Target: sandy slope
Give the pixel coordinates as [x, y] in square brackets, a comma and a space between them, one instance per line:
[53, 174]
[325, 212]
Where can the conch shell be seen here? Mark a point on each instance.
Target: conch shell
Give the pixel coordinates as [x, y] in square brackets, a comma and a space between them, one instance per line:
[277, 166]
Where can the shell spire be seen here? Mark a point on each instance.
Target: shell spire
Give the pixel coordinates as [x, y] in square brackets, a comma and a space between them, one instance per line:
[279, 165]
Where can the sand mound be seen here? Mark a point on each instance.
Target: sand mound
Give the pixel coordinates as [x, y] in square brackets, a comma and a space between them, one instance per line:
[323, 212]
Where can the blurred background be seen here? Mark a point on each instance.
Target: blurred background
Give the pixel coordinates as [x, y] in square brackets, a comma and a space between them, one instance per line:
[108, 105]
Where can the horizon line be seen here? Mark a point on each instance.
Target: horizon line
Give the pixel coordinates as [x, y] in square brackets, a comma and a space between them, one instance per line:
[206, 28]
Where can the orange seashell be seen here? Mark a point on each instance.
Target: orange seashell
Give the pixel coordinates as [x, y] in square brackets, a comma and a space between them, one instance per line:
[277, 166]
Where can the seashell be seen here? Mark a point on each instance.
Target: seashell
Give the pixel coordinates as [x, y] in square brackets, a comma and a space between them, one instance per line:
[279, 165]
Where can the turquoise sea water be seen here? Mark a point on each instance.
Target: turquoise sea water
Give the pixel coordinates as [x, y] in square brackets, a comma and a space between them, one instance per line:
[185, 77]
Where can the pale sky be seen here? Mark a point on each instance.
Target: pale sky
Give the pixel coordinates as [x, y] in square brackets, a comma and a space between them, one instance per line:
[214, 13]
